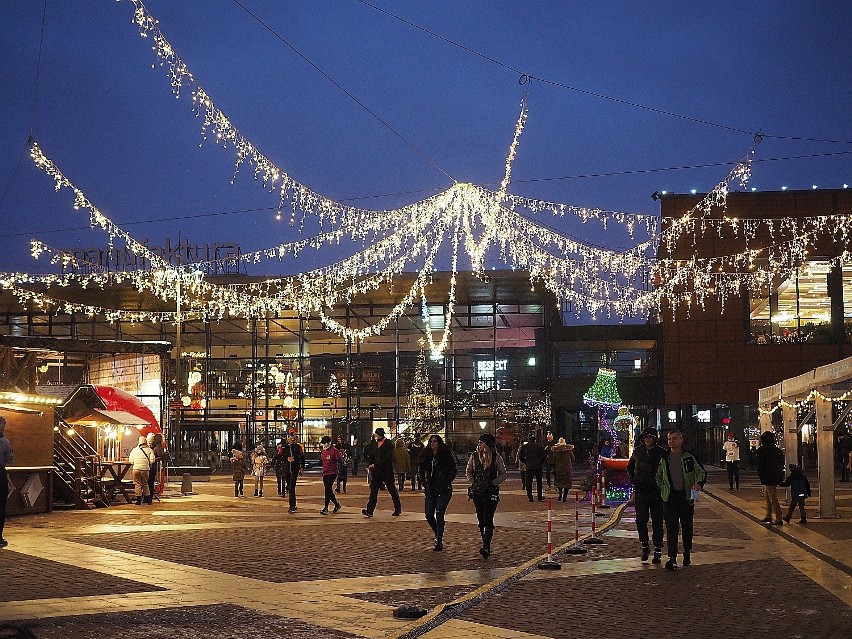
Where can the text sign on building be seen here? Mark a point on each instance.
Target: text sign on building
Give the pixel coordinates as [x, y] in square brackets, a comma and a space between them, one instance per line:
[486, 373]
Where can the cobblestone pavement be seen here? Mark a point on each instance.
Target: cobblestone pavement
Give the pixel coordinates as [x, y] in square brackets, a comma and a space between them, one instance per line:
[214, 566]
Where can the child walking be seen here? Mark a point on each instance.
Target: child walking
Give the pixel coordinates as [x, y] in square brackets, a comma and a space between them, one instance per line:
[800, 489]
[238, 464]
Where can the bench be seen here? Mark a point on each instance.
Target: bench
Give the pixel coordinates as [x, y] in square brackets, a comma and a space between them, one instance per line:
[198, 473]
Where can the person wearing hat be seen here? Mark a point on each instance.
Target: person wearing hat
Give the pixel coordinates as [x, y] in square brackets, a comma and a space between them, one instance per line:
[330, 459]
[141, 458]
[6, 457]
[295, 465]
[562, 460]
[379, 457]
[642, 469]
[485, 472]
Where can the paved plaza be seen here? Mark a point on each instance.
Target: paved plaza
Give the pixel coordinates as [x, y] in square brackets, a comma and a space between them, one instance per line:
[214, 566]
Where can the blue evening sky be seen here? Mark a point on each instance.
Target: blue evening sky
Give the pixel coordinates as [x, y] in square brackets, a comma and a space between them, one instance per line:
[111, 123]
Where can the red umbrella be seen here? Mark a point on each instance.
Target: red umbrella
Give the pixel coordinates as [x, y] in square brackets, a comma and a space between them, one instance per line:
[120, 400]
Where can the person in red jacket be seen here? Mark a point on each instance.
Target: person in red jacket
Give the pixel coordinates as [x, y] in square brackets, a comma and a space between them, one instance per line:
[330, 458]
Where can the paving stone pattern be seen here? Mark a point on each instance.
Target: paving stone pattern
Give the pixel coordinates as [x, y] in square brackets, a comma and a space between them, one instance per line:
[210, 622]
[672, 605]
[22, 576]
[424, 597]
[326, 551]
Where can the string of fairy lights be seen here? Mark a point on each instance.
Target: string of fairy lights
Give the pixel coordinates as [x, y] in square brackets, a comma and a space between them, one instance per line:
[591, 278]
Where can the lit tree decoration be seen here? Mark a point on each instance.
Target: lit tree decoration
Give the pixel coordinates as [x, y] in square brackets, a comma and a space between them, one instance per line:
[333, 386]
[424, 412]
[604, 393]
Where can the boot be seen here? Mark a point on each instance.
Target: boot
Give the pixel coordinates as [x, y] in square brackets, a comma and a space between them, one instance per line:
[483, 551]
[671, 564]
[487, 534]
[646, 552]
[686, 558]
[139, 500]
[148, 499]
[438, 545]
[658, 556]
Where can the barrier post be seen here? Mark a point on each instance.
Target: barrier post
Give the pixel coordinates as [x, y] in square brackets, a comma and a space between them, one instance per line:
[603, 504]
[577, 548]
[594, 539]
[550, 564]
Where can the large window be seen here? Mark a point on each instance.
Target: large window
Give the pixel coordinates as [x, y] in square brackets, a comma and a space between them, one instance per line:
[797, 309]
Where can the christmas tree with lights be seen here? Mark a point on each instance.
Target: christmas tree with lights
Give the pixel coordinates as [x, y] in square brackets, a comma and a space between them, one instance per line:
[424, 412]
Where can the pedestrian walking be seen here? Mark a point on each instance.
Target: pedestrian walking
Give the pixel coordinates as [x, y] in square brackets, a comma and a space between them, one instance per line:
[800, 489]
[379, 457]
[330, 459]
[356, 456]
[548, 459]
[401, 463]
[648, 502]
[437, 469]
[342, 469]
[485, 472]
[562, 461]
[279, 465]
[259, 459]
[770, 471]
[415, 449]
[238, 467]
[294, 468]
[161, 456]
[141, 459]
[6, 457]
[522, 467]
[533, 455]
[680, 476]
[731, 457]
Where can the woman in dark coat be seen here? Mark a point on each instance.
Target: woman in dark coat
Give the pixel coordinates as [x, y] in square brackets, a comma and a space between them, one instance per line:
[562, 460]
[485, 471]
[437, 470]
[770, 470]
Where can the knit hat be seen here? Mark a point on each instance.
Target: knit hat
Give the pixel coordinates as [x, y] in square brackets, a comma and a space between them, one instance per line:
[488, 439]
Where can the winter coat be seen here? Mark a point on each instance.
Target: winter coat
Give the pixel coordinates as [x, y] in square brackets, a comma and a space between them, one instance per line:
[294, 460]
[562, 460]
[415, 449]
[330, 458]
[533, 455]
[770, 465]
[380, 456]
[642, 469]
[238, 464]
[141, 457]
[693, 473]
[401, 460]
[438, 472]
[799, 485]
[279, 460]
[258, 463]
[485, 481]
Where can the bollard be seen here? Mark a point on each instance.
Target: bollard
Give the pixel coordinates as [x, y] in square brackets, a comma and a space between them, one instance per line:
[594, 539]
[550, 564]
[603, 503]
[577, 548]
[186, 484]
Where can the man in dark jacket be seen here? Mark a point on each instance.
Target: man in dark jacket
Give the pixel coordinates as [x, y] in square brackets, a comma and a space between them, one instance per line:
[532, 455]
[294, 465]
[548, 462]
[378, 455]
[642, 469]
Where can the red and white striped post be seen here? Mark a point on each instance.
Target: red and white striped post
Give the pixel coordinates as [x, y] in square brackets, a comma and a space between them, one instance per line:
[594, 539]
[577, 548]
[603, 503]
[550, 564]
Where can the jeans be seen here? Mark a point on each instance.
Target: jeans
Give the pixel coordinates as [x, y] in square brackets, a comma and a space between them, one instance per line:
[400, 478]
[533, 473]
[341, 477]
[291, 488]
[378, 478]
[238, 487]
[328, 484]
[485, 509]
[733, 473]
[435, 507]
[649, 508]
[800, 502]
[679, 515]
[282, 482]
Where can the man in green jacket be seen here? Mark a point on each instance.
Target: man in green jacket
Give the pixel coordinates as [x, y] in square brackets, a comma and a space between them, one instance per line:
[678, 476]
